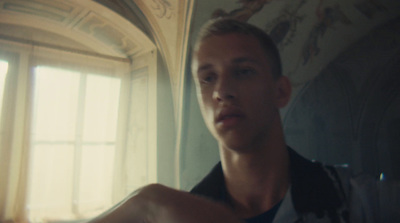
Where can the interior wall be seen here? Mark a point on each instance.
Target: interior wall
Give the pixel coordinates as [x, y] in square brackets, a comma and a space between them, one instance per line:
[350, 112]
[344, 81]
[166, 129]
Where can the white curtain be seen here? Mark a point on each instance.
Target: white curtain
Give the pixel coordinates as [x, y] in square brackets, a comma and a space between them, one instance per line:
[13, 144]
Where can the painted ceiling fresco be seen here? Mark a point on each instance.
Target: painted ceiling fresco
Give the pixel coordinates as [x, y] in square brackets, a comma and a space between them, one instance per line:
[305, 30]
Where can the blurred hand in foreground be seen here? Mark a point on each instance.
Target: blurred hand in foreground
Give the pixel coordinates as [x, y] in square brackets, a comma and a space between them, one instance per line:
[159, 204]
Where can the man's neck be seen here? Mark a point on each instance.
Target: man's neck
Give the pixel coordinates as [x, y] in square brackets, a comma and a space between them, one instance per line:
[258, 180]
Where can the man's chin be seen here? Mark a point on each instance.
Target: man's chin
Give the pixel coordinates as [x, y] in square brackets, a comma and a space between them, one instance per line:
[236, 144]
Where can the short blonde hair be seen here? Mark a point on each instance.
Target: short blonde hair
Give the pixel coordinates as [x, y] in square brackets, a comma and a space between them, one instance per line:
[223, 26]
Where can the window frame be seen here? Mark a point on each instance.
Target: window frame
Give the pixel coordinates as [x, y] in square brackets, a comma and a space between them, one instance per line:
[98, 66]
[29, 57]
[77, 142]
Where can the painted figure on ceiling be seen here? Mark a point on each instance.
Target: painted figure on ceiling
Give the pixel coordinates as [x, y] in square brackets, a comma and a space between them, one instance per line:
[248, 9]
[327, 18]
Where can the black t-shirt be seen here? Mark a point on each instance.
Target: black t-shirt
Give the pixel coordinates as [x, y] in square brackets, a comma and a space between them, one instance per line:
[266, 217]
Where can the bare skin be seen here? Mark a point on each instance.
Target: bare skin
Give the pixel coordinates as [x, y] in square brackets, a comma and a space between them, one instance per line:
[240, 101]
[160, 204]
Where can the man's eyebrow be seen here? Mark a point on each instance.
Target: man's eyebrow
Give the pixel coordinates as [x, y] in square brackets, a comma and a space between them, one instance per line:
[237, 60]
[244, 59]
[204, 67]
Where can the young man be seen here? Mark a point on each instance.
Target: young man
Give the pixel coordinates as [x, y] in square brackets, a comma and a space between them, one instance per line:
[240, 88]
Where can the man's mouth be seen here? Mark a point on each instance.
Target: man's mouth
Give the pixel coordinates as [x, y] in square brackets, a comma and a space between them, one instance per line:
[229, 117]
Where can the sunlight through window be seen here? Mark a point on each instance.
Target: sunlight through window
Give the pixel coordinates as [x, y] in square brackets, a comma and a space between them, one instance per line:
[73, 143]
[3, 73]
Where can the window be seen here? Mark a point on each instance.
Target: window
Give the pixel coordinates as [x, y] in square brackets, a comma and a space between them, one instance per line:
[73, 143]
[3, 73]
[77, 133]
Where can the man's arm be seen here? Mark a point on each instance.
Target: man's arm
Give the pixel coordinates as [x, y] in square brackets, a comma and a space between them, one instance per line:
[160, 204]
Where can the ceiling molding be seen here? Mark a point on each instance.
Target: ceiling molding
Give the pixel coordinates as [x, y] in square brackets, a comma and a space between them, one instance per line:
[84, 21]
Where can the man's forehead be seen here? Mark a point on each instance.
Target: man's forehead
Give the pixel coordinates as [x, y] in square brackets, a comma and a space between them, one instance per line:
[234, 61]
[234, 48]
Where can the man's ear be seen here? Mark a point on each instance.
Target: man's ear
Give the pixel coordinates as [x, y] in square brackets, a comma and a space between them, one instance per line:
[283, 91]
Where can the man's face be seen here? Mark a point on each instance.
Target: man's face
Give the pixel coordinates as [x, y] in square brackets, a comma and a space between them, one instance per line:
[235, 88]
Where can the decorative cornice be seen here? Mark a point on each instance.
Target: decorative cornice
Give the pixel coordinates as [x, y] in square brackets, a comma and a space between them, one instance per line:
[163, 9]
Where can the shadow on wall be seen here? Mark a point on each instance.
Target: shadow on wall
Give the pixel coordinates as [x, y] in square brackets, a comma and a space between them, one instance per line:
[350, 113]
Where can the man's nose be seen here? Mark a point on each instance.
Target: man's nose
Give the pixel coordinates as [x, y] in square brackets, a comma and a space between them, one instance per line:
[225, 89]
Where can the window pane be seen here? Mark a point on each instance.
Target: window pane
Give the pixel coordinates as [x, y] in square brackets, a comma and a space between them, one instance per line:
[75, 117]
[101, 108]
[55, 104]
[96, 179]
[51, 181]
[3, 73]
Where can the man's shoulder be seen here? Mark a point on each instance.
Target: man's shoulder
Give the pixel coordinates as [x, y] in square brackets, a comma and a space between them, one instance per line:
[316, 187]
[333, 191]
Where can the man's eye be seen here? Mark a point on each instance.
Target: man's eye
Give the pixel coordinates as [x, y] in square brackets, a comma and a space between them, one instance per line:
[207, 79]
[245, 71]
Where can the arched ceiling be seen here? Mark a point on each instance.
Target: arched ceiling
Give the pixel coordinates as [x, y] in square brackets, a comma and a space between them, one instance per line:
[120, 29]
[81, 25]
[164, 21]
[167, 23]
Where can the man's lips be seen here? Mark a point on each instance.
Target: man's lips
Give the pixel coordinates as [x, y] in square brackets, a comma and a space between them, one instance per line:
[228, 114]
